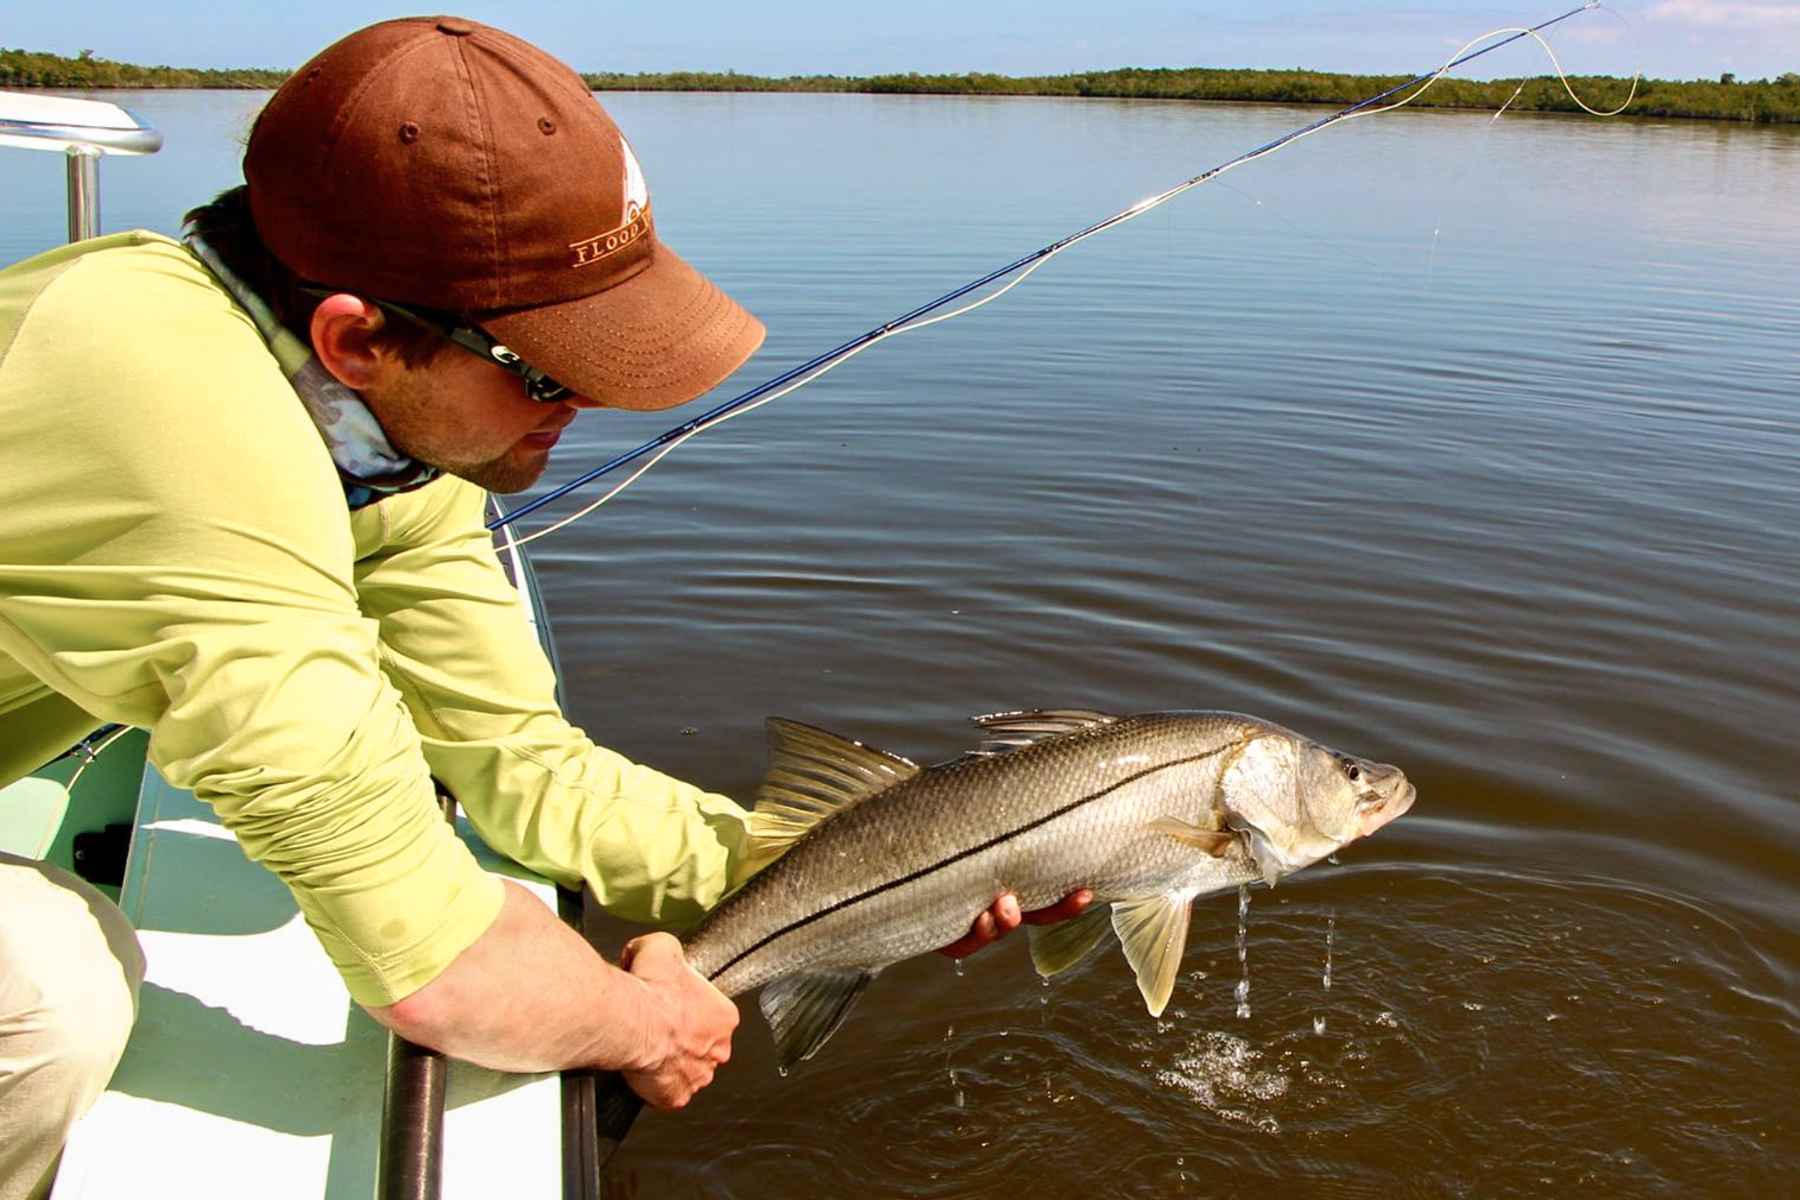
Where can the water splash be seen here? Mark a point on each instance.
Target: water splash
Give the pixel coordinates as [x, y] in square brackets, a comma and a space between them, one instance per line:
[1318, 1026]
[1243, 951]
[1230, 1077]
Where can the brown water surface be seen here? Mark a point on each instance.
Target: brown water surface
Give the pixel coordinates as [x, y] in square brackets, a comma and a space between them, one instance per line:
[1466, 447]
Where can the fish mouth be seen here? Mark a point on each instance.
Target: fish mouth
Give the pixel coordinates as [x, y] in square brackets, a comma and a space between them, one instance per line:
[1396, 805]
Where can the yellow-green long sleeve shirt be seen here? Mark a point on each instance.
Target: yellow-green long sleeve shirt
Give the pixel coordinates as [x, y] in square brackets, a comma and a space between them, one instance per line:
[176, 554]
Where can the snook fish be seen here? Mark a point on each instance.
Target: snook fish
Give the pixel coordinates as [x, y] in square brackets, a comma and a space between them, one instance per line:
[876, 859]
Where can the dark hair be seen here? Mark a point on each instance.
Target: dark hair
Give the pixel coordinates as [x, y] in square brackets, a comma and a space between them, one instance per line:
[226, 225]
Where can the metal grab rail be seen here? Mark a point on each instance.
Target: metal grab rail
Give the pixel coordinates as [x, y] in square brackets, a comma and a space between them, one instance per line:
[83, 130]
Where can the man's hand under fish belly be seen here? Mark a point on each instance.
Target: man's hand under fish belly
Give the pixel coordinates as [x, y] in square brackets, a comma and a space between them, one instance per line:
[1004, 917]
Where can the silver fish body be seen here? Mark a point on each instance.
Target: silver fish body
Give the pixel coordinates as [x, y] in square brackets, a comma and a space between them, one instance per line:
[886, 860]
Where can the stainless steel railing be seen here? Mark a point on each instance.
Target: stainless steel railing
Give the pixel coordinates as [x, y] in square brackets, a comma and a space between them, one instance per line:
[82, 130]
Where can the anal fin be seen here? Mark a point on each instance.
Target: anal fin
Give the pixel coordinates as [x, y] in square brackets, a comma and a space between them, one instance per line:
[1056, 948]
[1153, 933]
[804, 1010]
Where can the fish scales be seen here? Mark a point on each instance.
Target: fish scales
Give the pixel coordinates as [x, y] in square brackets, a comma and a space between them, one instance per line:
[900, 873]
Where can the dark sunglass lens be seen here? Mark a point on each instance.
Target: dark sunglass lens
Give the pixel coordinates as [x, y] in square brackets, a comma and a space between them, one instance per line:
[546, 390]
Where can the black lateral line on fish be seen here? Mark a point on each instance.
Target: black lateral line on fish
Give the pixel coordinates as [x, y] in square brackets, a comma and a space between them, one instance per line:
[962, 854]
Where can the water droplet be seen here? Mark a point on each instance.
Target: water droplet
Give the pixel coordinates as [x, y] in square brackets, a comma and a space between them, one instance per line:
[1332, 858]
[956, 964]
[1330, 933]
[1319, 1026]
[781, 1071]
[1243, 951]
[1181, 1160]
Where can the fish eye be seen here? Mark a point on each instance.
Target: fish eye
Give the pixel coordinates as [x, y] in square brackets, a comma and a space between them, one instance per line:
[1352, 770]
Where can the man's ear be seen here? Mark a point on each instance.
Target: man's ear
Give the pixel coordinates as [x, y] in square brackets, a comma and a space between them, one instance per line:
[343, 330]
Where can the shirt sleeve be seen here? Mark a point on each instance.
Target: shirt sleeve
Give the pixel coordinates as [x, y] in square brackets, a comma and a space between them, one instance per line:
[174, 554]
[455, 640]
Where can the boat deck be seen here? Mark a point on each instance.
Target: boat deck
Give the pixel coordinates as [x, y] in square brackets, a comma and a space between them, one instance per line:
[250, 1071]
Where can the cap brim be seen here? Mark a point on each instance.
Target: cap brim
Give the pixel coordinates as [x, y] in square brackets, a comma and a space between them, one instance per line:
[660, 338]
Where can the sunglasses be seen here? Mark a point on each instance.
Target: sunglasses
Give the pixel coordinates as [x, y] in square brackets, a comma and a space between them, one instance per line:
[538, 385]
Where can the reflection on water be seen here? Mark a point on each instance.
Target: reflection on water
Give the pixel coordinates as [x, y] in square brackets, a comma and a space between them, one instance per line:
[1466, 447]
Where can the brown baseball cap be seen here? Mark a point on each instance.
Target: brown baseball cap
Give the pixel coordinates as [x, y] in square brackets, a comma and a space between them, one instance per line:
[440, 162]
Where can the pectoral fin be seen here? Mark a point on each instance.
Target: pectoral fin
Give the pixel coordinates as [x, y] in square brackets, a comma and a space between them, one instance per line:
[1213, 841]
[1153, 933]
[1056, 948]
[1262, 853]
[804, 1010]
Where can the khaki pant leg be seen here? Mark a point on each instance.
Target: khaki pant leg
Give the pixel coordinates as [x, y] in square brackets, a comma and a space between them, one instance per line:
[70, 966]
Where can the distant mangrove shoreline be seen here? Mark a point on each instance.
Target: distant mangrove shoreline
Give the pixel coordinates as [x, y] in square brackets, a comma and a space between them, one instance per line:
[1767, 101]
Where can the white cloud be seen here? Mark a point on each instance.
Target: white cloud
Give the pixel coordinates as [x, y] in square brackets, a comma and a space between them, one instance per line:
[1729, 14]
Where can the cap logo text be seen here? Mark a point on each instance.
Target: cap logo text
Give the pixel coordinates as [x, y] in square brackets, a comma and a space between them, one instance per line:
[589, 251]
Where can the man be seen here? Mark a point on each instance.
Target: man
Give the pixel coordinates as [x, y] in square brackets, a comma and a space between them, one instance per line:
[241, 498]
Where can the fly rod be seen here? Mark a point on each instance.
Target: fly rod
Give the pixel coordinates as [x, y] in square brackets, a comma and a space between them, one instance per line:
[811, 369]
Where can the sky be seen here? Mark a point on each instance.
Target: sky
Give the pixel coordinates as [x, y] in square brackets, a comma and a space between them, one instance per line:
[1673, 39]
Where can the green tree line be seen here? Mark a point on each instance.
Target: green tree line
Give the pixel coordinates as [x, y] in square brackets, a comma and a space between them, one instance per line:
[29, 69]
[1773, 100]
[1725, 99]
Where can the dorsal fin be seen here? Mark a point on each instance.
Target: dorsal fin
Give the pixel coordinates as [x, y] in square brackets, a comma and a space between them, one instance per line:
[1010, 730]
[812, 776]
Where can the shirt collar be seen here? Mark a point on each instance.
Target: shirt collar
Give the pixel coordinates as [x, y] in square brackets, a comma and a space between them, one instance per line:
[367, 463]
